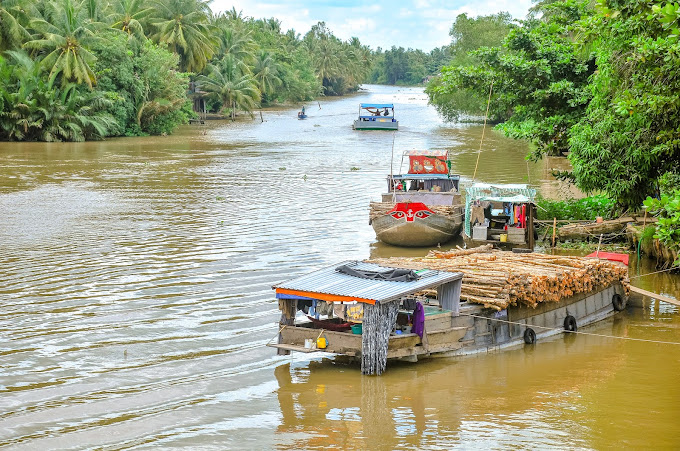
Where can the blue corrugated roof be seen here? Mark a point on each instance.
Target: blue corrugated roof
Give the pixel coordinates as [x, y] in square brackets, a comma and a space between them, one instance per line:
[377, 105]
[330, 281]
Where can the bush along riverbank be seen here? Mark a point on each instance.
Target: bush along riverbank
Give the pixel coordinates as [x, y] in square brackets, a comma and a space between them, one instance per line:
[585, 224]
[660, 240]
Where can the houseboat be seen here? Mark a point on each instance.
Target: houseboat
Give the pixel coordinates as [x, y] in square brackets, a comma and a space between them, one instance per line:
[422, 207]
[502, 215]
[376, 116]
[408, 309]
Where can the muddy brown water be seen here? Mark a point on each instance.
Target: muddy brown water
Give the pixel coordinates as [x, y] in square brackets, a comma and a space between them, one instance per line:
[135, 281]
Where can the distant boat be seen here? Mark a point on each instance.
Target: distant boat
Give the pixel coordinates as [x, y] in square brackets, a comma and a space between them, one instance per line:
[376, 116]
[302, 115]
[422, 207]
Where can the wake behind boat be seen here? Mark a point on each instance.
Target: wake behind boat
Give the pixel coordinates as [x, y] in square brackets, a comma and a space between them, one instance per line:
[422, 207]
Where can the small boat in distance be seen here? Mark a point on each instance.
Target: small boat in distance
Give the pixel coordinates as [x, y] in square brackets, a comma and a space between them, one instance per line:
[302, 114]
[376, 116]
[421, 208]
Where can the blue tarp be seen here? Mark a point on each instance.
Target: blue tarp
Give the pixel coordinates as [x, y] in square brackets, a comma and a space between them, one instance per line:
[377, 105]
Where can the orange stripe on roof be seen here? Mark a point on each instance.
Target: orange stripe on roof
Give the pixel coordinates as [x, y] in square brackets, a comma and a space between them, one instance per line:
[324, 296]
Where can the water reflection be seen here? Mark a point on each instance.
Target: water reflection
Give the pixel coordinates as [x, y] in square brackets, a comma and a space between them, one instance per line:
[537, 396]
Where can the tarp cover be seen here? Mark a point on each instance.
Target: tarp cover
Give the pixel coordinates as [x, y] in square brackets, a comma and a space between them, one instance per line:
[393, 275]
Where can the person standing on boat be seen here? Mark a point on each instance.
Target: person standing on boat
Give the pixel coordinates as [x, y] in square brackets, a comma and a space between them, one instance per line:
[303, 110]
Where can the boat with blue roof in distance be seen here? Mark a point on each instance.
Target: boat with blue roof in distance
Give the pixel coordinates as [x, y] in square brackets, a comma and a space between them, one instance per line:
[376, 116]
[422, 207]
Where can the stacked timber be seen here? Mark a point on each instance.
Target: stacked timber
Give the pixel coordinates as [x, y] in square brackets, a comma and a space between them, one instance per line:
[382, 208]
[498, 279]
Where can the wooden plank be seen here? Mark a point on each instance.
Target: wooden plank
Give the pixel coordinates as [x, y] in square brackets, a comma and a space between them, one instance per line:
[656, 296]
[288, 347]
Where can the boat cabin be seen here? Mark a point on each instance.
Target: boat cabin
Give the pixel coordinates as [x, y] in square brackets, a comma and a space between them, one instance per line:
[502, 215]
[376, 116]
[428, 180]
[370, 312]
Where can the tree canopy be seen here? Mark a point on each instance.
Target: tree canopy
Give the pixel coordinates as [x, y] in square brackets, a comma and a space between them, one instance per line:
[597, 80]
[137, 59]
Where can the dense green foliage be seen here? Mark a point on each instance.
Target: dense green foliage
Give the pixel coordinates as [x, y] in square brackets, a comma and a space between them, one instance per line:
[467, 35]
[539, 76]
[667, 229]
[588, 208]
[123, 67]
[399, 66]
[598, 79]
[630, 136]
[35, 108]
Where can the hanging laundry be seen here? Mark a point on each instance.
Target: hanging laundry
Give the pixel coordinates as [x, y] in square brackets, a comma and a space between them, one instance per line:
[312, 310]
[324, 308]
[339, 310]
[355, 313]
[418, 320]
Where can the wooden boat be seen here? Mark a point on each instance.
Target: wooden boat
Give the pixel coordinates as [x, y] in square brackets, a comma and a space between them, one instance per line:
[502, 215]
[376, 116]
[451, 321]
[421, 208]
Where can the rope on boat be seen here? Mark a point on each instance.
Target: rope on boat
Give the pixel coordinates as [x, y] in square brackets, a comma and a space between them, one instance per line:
[673, 268]
[277, 334]
[488, 102]
[533, 326]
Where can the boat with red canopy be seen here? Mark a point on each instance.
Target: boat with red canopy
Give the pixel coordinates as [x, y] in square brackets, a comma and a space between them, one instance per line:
[422, 207]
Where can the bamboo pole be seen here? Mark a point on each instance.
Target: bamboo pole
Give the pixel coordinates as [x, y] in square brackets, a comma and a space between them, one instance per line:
[554, 231]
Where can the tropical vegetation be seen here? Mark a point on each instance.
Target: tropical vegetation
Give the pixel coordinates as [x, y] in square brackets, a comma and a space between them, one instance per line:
[88, 69]
[598, 80]
[587, 208]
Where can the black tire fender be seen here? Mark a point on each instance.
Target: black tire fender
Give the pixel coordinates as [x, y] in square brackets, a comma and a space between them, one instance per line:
[570, 324]
[529, 336]
[618, 302]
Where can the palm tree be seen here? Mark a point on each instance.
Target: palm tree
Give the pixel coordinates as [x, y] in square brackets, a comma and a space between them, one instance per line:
[231, 83]
[182, 26]
[12, 33]
[326, 60]
[35, 109]
[266, 73]
[130, 16]
[238, 43]
[65, 36]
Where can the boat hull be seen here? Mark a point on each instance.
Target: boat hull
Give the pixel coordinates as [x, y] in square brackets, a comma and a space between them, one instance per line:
[475, 330]
[415, 225]
[379, 124]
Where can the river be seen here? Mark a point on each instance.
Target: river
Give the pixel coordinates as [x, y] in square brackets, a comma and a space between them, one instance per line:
[136, 274]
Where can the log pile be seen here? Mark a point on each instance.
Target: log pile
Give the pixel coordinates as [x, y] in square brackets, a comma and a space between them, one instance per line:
[498, 279]
[381, 208]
